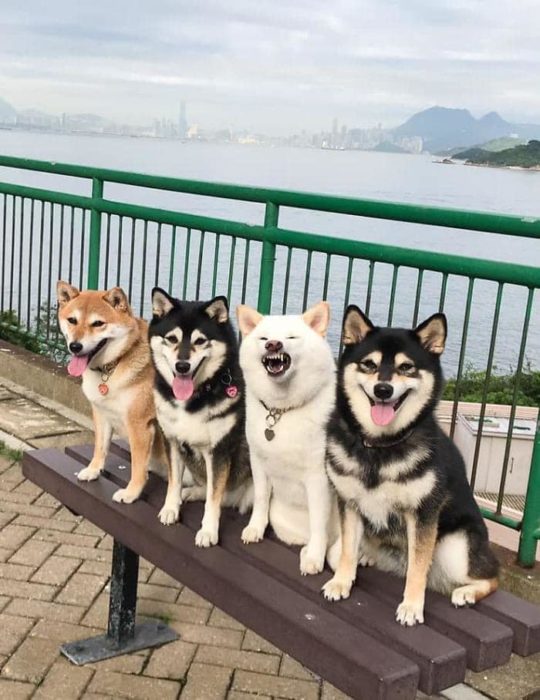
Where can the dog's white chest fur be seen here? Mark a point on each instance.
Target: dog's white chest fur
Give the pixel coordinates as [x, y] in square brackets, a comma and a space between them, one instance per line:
[298, 446]
[114, 405]
[389, 497]
[200, 430]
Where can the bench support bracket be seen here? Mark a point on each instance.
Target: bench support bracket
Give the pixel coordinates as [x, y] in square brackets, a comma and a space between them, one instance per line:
[123, 634]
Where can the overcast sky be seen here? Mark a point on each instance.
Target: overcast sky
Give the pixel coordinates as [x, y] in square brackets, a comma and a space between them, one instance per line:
[272, 65]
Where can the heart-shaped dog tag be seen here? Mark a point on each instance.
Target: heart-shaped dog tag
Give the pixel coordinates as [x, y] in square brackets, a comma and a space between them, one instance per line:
[232, 391]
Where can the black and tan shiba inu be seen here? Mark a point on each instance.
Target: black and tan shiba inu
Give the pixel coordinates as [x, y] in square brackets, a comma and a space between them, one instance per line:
[199, 395]
[109, 350]
[400, 480]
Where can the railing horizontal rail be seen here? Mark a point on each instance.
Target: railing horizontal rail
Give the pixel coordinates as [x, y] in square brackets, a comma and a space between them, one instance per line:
[511, 225]
[497, 271]
[437, 262]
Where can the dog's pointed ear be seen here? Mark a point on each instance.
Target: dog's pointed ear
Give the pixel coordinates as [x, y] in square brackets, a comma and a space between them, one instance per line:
[432, 333]
[356, 326]
[65, 292]
[162, 303]
[117, 298]
[218, 309]
[248, 318]
[318, 317]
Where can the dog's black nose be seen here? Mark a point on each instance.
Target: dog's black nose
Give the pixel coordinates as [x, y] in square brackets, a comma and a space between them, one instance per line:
[182, 367]
[75, 348]
[383, 390]
[273, 345]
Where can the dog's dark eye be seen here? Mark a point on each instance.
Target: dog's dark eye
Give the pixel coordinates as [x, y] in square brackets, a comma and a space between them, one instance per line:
[199, 341]
[172, 339]
[405, 367]
[263, 338]
[367, 366]
[98, 324]
[72, 320]
[292, 337]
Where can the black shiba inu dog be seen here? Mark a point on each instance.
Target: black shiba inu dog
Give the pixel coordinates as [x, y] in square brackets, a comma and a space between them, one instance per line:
[405, 503]
[199, 395]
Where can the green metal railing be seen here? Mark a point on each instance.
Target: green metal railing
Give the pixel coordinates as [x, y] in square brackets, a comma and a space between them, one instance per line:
[95, 242]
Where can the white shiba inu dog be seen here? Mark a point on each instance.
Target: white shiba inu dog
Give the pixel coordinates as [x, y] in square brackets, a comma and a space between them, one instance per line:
[290, 378]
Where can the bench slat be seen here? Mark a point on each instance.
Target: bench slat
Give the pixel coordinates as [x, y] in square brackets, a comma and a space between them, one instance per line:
[488, 642]
[346, 656]
[523, 617]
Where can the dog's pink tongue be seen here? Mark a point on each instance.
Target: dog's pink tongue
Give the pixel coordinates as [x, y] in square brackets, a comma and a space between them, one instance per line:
[182, 388]
[77, 365]
[382, 413]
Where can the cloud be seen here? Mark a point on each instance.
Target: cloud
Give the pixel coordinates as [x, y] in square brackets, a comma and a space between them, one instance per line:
[272, 65]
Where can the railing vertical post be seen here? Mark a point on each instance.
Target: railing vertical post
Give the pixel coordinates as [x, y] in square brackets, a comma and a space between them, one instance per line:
[531, 511]
[268, 259]
[95, 237]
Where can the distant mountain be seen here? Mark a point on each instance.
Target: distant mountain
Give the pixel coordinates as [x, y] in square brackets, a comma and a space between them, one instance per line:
[524, 156]
[443, 129]
[8, 114]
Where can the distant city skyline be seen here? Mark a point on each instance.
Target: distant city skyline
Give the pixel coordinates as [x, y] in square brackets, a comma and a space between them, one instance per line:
[272, 66]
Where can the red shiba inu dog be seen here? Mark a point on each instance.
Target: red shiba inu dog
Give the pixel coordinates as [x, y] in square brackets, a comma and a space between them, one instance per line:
[110, 351]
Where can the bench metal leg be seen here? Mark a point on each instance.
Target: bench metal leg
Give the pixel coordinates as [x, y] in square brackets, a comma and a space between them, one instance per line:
[123, 634]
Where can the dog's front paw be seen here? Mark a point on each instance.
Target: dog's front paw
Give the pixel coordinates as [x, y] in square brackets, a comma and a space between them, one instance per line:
[126, 495]
[310, 563]
[193, 493]
[337, 588]
[465, 595]
[410, 613]
[252, 533]
[365, 560]
[206, 538]
[88, 474]
[169, 515]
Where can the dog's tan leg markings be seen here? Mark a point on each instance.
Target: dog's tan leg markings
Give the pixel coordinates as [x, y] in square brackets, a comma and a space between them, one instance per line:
[141, 437]
[173, 500]
[254, 530]
[215, 489]
[420, 546]
[340, 585]
[474, 591]
[103, 435]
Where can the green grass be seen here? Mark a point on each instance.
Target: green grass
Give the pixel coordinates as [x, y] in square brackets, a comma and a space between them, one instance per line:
[500, 389]
[10, 453]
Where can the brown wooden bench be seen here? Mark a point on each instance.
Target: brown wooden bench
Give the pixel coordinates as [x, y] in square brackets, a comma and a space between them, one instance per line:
[355, 644]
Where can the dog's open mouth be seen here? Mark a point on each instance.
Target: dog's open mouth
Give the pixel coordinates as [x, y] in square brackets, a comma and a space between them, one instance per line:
[79, 363]
[383, 412]
[276, 363]
[183, 385]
